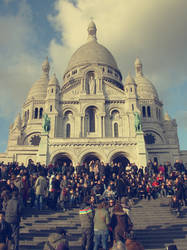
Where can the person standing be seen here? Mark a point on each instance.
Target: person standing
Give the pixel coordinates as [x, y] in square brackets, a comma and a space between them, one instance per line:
[101, 223]
[5, 232]
[13, 216]
[86, 219]
[41, 189]
[121, 223]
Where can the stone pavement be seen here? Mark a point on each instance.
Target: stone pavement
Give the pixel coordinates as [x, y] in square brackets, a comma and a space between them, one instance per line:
[155, 227]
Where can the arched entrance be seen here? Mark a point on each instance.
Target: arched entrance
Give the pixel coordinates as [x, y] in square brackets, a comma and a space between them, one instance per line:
[60, 159]
[90, 157]
[120, 158]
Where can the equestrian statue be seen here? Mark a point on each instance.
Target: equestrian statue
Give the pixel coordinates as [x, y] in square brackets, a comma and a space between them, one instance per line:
[46, 123]
[137, 122]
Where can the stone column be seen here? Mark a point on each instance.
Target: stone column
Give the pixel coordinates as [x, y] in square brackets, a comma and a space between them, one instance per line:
[103, 123]
[101, 126]
[83, 83]
[82, 126]
[98, 85]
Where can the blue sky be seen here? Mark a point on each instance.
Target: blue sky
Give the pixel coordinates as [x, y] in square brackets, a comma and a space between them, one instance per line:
[155, 31]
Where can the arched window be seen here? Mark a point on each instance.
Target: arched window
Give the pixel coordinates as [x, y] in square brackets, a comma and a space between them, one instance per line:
[68, 130]
[51, 108]
[148, 111]
[41, 113]
[51, 90]
[143, 111]
[36, 113]
[91, 113]
[116, 130]
[132, 107]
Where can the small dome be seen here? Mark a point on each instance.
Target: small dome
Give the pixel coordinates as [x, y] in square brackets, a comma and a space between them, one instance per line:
[145, 88]
[39, 88]
[92, 52]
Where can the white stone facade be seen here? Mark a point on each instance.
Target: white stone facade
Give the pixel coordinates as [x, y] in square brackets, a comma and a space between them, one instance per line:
[92, 114]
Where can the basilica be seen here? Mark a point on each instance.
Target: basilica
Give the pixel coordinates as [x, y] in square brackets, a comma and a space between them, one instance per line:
[93, 115]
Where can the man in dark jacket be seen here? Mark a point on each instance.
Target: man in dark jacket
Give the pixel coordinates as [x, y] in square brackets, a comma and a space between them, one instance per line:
[5, 231]
[86, 219]
[12, 216]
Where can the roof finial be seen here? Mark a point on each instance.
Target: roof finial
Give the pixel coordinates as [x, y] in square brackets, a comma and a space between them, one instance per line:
[129, 79]
[92, 30]
[138, 67]
[46, 66]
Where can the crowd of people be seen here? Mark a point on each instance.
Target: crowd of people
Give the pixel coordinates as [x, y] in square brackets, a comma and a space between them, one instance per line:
[103, 193]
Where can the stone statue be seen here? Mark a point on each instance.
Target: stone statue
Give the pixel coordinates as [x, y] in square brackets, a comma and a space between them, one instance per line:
[137, 122]
[46, 123]
[92, 85]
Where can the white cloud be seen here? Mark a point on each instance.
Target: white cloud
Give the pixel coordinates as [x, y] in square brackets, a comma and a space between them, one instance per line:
[19, 66]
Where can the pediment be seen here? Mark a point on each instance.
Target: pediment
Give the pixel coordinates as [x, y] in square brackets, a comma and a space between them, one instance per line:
[71, 93]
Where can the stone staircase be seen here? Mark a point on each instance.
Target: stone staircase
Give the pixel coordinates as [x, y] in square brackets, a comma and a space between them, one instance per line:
[155, 227]
[36, 226]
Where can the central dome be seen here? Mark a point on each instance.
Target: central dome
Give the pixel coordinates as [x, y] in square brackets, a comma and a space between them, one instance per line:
[92, 52]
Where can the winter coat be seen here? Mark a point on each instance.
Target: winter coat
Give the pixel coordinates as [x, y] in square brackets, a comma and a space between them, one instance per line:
[101, 219]
[86, 217]
[56, 240]
[121, 225]
[13, 211]
[41, 186]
